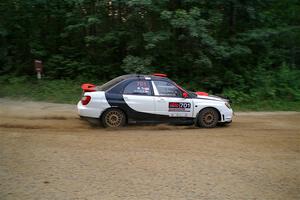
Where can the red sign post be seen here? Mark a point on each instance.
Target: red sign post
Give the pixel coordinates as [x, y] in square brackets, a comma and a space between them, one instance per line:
[38, 65]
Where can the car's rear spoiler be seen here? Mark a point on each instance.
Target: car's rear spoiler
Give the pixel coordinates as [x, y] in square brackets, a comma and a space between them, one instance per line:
[88, 87]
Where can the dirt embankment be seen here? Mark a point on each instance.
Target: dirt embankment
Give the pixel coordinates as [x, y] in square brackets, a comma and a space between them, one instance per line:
[47, 152]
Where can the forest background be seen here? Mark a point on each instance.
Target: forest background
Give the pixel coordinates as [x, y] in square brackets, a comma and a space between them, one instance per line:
[246, 50]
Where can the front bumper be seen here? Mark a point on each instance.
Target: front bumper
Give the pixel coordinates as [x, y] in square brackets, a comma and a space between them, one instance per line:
[226, 116]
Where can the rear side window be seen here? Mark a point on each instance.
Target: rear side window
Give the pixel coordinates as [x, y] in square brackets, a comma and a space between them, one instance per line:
[110, 83]
[165, 88]
[138, 88]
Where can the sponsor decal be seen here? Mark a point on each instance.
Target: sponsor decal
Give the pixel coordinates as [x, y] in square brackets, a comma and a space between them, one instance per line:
[179, 107]
[142, 87]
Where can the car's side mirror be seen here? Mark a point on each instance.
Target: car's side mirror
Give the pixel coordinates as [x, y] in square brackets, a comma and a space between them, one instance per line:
[185, 95]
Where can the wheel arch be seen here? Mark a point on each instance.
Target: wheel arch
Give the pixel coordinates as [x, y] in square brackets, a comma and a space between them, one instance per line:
[115, 107]
[218, 111]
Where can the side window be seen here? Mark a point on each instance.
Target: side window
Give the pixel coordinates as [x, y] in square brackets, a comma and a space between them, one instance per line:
[165, 88]
[138, 88]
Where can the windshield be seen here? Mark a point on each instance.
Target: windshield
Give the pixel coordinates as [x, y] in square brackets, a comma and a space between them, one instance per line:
[191, 94]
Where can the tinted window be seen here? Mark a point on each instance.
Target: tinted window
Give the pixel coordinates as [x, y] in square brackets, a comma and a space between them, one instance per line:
[138, 88]
[113, 82]
[165, 88]
[110, 83]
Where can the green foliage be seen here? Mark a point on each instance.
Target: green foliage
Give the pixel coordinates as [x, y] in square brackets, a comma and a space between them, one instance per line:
[287, 83]
[248, 50]
[59, 91]
[60, 67]
[154, 39]
[136, 65]
[282, 84]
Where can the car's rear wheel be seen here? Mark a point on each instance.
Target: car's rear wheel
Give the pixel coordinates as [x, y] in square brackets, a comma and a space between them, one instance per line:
[208, 118]
[113, 118]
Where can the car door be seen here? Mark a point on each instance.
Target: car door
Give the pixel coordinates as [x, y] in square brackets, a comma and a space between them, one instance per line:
[169, 100]
[138, 95]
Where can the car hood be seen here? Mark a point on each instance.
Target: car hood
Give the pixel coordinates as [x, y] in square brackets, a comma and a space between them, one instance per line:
[212, 98]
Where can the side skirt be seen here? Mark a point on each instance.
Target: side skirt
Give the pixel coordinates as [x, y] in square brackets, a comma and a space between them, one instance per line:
[169, 120]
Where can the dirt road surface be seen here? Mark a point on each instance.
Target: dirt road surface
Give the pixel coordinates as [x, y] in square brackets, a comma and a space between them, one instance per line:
[47, 152]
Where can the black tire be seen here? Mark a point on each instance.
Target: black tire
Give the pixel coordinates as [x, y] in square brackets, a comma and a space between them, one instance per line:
[113, 118]
[208, 118]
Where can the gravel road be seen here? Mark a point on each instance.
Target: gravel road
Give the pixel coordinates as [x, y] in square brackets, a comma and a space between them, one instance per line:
[47, 152]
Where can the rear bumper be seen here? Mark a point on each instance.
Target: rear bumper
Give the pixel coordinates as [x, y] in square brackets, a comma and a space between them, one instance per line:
[86, 111]
[94, 121]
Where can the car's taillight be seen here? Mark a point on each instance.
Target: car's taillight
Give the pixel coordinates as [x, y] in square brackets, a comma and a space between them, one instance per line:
[85, 100]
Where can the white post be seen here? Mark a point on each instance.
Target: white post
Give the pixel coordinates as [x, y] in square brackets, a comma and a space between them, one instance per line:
[39, 75]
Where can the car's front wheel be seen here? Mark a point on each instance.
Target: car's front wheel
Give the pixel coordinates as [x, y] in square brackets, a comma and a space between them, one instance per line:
[208, 118]
[113, 118]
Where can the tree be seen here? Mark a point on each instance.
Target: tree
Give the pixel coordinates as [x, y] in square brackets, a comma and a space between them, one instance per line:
[208, 44]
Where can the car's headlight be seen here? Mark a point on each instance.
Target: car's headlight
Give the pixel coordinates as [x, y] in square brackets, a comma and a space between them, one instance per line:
[228, 105]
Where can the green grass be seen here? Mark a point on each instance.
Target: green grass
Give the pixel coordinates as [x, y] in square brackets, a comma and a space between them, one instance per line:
[268, 105]
[69, 91]
[58, 91]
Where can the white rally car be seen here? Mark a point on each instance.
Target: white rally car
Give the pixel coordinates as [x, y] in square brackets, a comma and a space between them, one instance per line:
[153, 98]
